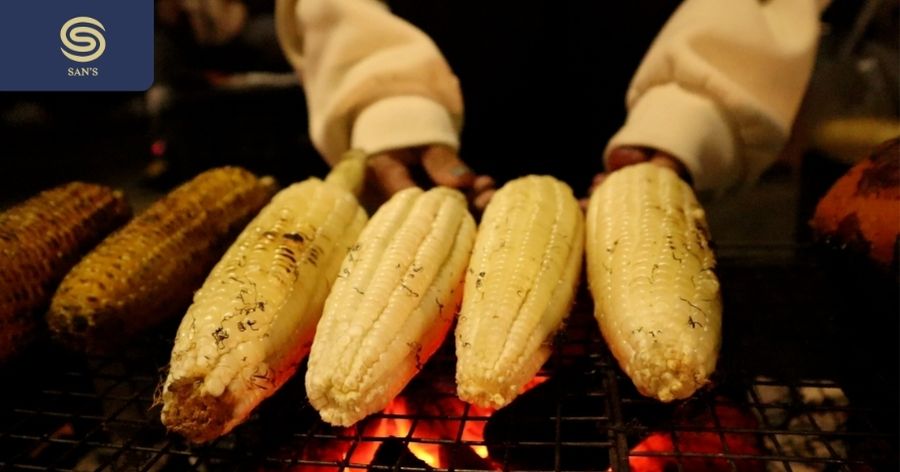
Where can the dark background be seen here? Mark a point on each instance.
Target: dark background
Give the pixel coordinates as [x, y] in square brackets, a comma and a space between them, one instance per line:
[543, 82]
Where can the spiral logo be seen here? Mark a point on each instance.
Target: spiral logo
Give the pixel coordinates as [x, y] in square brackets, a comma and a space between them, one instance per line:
[82, 39]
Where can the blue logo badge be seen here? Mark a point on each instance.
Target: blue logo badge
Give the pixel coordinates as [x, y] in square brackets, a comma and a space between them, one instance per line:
[72, 45]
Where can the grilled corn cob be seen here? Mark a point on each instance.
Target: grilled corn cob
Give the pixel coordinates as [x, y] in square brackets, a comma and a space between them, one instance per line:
[521, 282]
[148, 270]
[650, 270]
[392, 304]
[253, 320]
[40, 240]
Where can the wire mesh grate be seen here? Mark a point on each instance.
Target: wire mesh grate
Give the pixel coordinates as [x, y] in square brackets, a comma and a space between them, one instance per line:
[782, 400]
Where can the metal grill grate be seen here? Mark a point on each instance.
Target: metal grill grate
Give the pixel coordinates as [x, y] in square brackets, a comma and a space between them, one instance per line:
[790, 395]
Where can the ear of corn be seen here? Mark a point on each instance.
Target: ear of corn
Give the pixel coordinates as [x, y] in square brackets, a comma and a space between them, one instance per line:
[253, 320]
[520, 284]
[650, 269]
[392, 304]
[147, 271]
[40, 240]
[349, 174]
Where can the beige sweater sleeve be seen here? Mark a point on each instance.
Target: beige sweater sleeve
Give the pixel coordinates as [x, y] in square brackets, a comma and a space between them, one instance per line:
[372, 81]
[721, 85]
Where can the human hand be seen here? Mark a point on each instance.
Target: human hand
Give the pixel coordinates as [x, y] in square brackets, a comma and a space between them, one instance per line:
[629, 155]
[397, 169]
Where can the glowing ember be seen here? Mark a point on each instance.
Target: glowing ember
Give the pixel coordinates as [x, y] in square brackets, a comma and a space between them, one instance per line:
[474, 430]
[400, 427]
[534, 383]
[656, 453]
[482, 451]
[424, 419]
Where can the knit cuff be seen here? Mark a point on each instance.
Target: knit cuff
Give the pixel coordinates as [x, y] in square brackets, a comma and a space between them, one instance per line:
[688, 126]
[403, 121]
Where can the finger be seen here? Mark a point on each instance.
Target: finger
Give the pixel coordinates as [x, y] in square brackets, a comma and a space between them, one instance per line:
[482, 191]
[625, 156]
[446, 168]
[482, 199]
[390, 172]
[483, 183]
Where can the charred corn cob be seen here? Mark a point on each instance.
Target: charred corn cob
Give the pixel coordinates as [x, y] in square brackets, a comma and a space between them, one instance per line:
[520, 284]
[650, 270]
[253, 320]
[394, 300]
[148, 270]
[40, 240]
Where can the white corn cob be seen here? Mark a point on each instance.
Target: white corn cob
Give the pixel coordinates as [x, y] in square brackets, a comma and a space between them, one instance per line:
[520, 284]
[650, 270]
[253, 320]
[392, 305]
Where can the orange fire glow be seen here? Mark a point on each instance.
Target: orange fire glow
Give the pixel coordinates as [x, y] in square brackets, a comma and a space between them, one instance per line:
[652, 454]
[423, 422]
